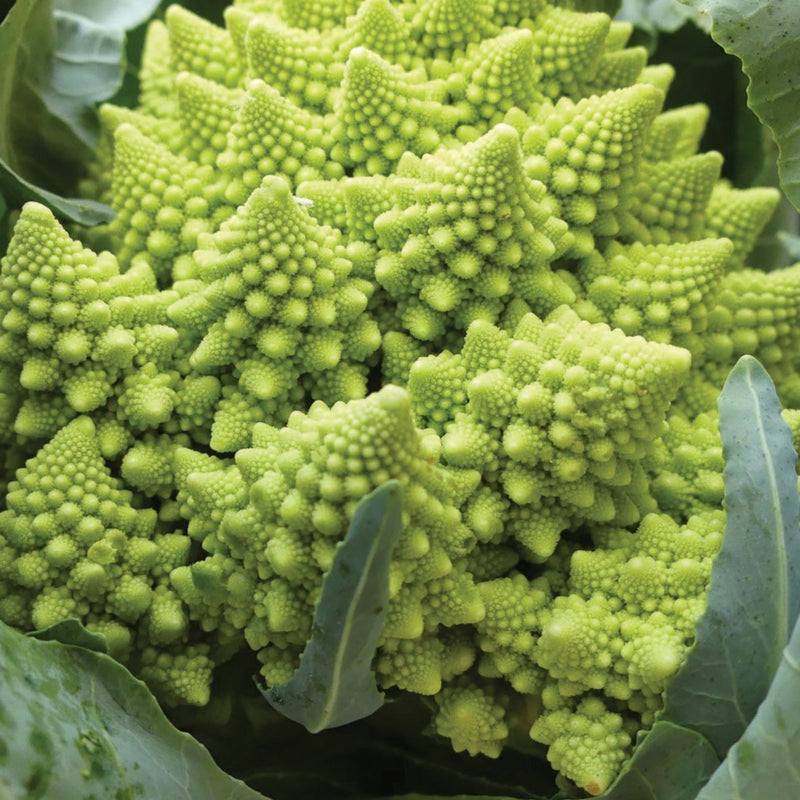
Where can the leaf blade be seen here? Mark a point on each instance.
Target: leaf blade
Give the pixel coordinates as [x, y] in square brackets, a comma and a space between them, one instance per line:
[754, 596]
[57, 60]
[334, 683]
[659, 15]
[75, 723]
[670, 763]
[84, 212]
[121, 15]
[70, 631]
[762, 34]
[763, 763]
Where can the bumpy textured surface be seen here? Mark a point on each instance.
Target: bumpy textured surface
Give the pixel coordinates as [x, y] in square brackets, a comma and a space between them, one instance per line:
[454, 243]
[276, 307]
[82, 337]
[74, 544]
[558, 418]
[296, 490]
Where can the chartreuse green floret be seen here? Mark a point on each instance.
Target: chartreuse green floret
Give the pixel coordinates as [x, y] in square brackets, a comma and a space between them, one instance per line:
[473, 717]
[81, 336]
[162, 200]
[687, 465]
[477, 234]
[352, 205]
[568, 47]
[196, 45]
[73, 543]
[618, 65]
[379, 26]
[206, 113]
[740, 215]
[382, 113]
[276, 54]
[588, 154]
[324, 197]
[676, 133]
[275, 306]
[507, 635]
[156, 75]
[612, 642]
[321, 16]
[148, 466]
[671, 199]
[663, 292]
[444, 27]
[10, 399]
[197, 130]
[560, 415]
[630, 613]
[491, 78]
[586, 740]
[756, 313]
[100, 172]
[297, 490]
[271, 136]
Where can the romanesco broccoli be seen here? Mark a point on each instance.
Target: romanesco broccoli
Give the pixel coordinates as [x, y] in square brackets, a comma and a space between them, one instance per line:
[457, 244]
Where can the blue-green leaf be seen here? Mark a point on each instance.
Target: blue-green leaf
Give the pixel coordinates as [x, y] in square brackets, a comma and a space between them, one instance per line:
[85, 212]
[660, 15]
[58, 59]
[764, 762]
[754, 596]
[121, 15]
[75, 723]
[670, 763]
[88, 58]
[764, 35]
[791, 244]
[334, 683]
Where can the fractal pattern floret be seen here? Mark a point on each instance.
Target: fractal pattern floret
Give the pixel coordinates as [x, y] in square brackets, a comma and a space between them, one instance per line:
[274, 305]
[74, 543]
[455, 244]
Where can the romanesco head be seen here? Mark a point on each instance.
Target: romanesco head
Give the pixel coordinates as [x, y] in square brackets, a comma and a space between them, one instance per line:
[456, 244]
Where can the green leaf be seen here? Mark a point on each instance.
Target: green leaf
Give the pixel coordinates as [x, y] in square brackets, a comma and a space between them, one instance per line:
[670, 763]
[791, 244]
[70, 631]
[753, 600]
[5, 225]
[88, 58]
[30, 137]
[763, 763]
[334, 683]
[121, 15]
[754, 596]
[75, 723]
[764, 36]
[660, 15]
[84, 212]
[57, 60]
[778, 243]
